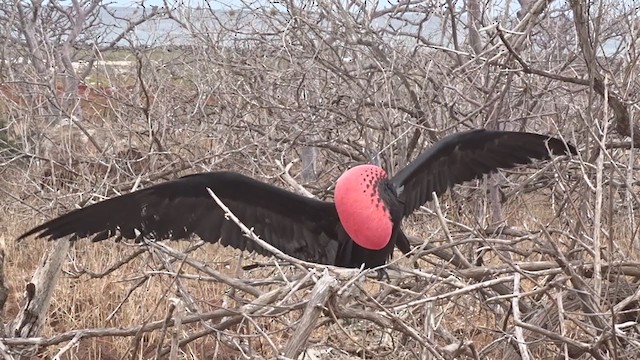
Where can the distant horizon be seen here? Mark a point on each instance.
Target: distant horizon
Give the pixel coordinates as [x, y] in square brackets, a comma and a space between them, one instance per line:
[165, 31]
[216, 4]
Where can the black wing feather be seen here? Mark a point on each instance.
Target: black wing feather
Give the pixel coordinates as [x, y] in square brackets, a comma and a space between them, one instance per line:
[180, 208]
[469, 155]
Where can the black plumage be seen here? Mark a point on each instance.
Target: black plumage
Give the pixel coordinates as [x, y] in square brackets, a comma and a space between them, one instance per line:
[302, 227]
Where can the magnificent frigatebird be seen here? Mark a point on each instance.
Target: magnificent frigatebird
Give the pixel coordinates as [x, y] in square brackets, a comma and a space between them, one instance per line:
[361, 226]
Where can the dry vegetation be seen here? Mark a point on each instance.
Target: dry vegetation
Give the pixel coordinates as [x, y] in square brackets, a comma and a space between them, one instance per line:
[536, 263]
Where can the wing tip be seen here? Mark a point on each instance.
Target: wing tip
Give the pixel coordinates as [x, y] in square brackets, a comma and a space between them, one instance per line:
[37, 231]
[50, 230]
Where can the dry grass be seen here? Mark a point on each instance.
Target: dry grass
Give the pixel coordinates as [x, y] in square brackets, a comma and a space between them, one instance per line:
[141, 291]
[253, 107]
[86, 302]
[467, 302]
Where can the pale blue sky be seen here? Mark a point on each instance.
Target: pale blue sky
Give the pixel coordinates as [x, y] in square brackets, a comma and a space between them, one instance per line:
[191, 3]
[213, 3]
[226, 4]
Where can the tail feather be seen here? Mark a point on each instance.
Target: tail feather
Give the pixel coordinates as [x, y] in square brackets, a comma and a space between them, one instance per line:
[402, 242]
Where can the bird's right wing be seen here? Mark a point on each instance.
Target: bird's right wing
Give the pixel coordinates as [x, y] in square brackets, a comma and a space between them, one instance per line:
[466, 156]
[302, 227]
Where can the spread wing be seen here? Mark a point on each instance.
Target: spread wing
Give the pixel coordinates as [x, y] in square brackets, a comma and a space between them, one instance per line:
[299, 226]
[469, 155]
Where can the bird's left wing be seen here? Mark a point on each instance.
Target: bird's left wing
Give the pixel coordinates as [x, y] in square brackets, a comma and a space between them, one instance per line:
[469, 155]
[298, 226]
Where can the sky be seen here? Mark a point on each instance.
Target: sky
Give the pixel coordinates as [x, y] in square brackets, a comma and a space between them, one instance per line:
[213, 3]
[154, 2]
[191, 3]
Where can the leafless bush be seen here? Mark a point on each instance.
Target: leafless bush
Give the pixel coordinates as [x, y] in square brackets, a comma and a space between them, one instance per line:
[539, 262]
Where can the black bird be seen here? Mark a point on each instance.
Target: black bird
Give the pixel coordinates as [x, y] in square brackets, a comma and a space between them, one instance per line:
[361, 227]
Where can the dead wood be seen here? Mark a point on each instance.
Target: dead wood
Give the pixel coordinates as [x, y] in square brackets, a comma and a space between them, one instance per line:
[319, 296]
[35, 305]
